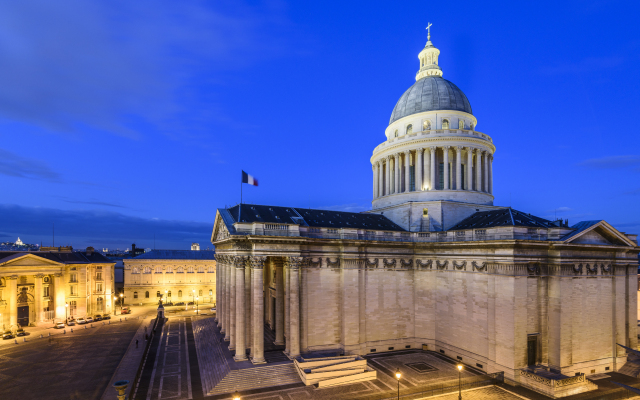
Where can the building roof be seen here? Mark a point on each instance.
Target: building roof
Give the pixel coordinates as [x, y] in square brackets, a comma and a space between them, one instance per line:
[431, 93]
[64, 257]
[311, 217]
[502, 217]
[177, 255]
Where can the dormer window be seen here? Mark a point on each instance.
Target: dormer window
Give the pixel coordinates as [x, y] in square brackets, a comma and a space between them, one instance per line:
[445, 124]
[426, 126]
[409, 129]
[460, 124]
[395, 134]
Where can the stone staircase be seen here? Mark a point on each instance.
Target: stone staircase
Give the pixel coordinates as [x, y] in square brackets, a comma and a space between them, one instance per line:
[632, 366]
[213, 365]
[255, 378]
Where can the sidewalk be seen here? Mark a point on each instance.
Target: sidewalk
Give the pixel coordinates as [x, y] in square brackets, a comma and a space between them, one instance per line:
[128, 367]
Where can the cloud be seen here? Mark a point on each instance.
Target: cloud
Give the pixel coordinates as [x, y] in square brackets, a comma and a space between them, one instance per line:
[586, 65]
[350, 207]
[83, 228]
[559, 210]
[612, 162]
[21, 167]
[95, 202]
[114, 66]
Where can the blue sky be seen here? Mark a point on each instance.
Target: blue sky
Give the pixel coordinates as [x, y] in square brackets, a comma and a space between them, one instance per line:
[124, 120]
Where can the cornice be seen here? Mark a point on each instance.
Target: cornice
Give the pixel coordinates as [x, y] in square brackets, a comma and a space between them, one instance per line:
[416, 143]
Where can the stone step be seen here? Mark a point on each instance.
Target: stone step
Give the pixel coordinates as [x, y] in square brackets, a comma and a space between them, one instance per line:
[259, 377]
[630, 369]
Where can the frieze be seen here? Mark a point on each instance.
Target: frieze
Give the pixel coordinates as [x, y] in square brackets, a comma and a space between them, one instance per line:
[481, 267]
[606, 270]
[294, 262]
[352, 263]
[242, 246]
[461, 266]
[406, 263]
[389, 264]
[371, 264]
[592, 270]
[442, 266]
[314, 264]
[335, 263]
[577, 269]
[424, 265]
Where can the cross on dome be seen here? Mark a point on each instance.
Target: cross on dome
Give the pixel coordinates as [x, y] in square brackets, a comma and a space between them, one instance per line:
[429, 58]
[429, 31]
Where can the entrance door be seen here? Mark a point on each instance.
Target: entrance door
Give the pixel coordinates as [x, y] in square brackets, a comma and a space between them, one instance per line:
[532, 350]
[23, 316]
[273, 313]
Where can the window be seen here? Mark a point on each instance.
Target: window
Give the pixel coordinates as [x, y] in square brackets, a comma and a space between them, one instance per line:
[210, 292]
[409, 129]
[169, 293]
[190, 270]
[395, 134]
[73, 306]
[201, 270]
[147, 270]
[211, 269]
[460, 124]
[425, 212]
[445, 124]
[441, 176]
[180, 270]
[158, 294]
[73, 277]
[74, 290]
[135, 295]
[170, 270]
[99, 267]
[471, 126]
[426, 126]
[135, 270]
[98, 286]
[146, 294]
[45, 291]
[179, 293]
[200, 293]
[158, 270]
[100, 304]
[99, 276]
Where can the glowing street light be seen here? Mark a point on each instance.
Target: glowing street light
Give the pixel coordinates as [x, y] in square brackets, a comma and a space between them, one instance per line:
[236, 396]
[398, 376]
[121, 299]
[66, 317]
[197, 298]
[459, 385]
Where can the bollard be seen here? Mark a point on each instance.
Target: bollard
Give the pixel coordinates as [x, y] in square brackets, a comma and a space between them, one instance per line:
[49, 334]
[41, 336]
[71, 330]
[109, 322]
[121, 387]
[125, 318]
[85, 327]
[16, 340]
[92, 325]
[64, 331]
[120, 319]
[24, 340]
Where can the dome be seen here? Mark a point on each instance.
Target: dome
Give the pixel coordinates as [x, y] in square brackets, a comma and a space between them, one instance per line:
[431, 93]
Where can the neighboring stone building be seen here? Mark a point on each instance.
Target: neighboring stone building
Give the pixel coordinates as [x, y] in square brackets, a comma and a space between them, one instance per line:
[178, 272]
[435, 265]
[38, 286]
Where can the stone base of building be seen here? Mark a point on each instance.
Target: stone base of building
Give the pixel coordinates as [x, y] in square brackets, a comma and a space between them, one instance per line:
[555, 385]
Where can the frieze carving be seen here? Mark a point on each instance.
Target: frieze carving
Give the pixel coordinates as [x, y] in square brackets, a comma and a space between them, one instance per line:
[605, 269]
[242, 246]
[406, 263]
[592, 270]
[461, 266]
[424, 265]
[443, 265]
[257, 262]
[335, 263]
[294, 262]
[315, 264]
[481, 267]
[577, 269]
[222, 233]
[389, 264]
[371, 264]
[533, 269]
[352, 263]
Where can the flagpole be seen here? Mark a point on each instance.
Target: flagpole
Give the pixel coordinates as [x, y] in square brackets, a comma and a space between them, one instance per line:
[240, 206]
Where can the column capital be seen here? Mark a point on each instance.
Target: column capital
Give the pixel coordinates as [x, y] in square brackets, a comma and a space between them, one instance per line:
[447, 147]
[239, 261]
[433, 149]
[459, 148]
[407, 152]
[57, 275]
[11, 277]
[294, 262]
[257, 262]
[39, 276]
[388, 158]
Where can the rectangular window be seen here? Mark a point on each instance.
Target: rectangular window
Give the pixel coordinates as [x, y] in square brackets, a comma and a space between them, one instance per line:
[72, 307]
[73, 278]
[99, 276]
[45, 291]
[99, 286]
[74, 290]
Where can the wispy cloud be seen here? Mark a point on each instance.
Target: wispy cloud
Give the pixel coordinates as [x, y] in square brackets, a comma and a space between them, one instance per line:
[613, 162]
[21, 167]
[586, 65]
[350, 207]
[95, 203]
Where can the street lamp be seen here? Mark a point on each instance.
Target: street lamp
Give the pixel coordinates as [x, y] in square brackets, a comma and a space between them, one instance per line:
[398, 376]
[459, 385]
[236, 396]
[66, 317]
[121, 299]
[197, 304]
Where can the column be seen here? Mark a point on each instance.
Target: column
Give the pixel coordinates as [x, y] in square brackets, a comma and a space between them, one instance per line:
[433, 168]
[247, 305]
[387, 171]
[396, 165]
[485, 172]
[469, 168]
[60, 295]
[478, 170]
[380, 179]
[232, 303]
[446, 167]
[257, 325]
[287, 342]
[427, 169]
[293, 339]
[375, 180]
[491, 174]
[38, 297]
[459, 168]
[407, 171]
[418, 170]
[240, 315]
[12, 286]
[279, 303]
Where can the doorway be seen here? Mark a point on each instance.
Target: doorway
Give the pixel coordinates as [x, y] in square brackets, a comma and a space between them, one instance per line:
[532, 350]
[23, 316]
[272, 320]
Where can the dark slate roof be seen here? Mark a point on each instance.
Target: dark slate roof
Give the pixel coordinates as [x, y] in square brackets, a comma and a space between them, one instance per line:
[502, 217]
[177, 255]
[430, 94]
[73, 257]
[579, 227]
[311, 217]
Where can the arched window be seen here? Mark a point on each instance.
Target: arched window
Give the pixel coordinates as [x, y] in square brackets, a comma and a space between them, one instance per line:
[169, 293]
[201, 270]
[179, 293]
[146, 294]
[210, 292]
[158, 269]
[471, 126]
[190, 270]
[200, 293]
[135, 270]
[426, 126]
[460, 124]
[169, 269]
[147, 270]
[211, 269]
[445, 124]
[135, 295]
[409, 129]
[180, 270]
[158, 294]
[395, 134]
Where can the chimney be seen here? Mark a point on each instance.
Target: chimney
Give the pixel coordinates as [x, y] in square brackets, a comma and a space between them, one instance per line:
[133, 248]
[90, 250]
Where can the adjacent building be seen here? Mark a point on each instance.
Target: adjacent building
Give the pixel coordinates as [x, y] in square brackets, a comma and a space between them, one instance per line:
[53, 284]
[174, 275]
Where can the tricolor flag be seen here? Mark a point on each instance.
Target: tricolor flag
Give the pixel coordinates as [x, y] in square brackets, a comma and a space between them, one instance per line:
[246, 178]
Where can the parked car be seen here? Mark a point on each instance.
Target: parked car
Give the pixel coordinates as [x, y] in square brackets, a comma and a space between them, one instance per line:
[21, 332]
[180, 303]
[89, 318]
[7, 335]
[125, 310]
[97, 317]
[71, 322]
[213, 308]
[81, 321]
[167, 304]
[106, 316]
[59, 325]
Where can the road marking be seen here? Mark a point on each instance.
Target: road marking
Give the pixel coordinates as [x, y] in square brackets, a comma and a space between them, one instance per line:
[155, 364]
[186, 348]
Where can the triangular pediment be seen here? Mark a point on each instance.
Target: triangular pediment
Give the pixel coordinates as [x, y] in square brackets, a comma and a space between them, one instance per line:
[29, 260]
[601, 233]
[220, 230]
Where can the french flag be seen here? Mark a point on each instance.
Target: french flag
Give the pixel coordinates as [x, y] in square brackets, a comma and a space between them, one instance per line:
[246, 178]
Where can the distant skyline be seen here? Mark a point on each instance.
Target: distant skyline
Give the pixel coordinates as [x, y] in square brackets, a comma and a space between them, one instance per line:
[123, 120]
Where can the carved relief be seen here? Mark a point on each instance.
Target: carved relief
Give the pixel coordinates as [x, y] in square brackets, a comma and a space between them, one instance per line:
[577, 269]
[257, 262]
[242, 246]
[592, 270]
[315, 264]
[443, 265]
[239, 261]
[605, 269]
[293, 262]
[424, 265]
[533, 269]
[335, 263]
[389, 264]
[371, 264]
[481, 267]
[406, 263]
[461, 266]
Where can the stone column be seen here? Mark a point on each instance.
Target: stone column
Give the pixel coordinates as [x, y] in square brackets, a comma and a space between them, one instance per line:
[446, 167]
[380, 179]
[375, 180]
[60, 295]
[491, 174]
[232, 304]
[293, 340]
[433, 168]
[396, 165]
[12, 297]
[387, 171]
[427, 169]
[38, 297]
[407, 171]
[459, 168]
[469, 168]
[279, 303]
[247, 305]
[239, 332]
[485, 172]
[287, 342]
[478, 170]
[257, 325]
[418, 170]
[219, 292]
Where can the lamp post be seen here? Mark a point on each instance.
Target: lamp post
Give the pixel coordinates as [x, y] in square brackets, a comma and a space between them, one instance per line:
[459, 383]
[121, 300]
[66, 317]
[197, 305]
[398, 376]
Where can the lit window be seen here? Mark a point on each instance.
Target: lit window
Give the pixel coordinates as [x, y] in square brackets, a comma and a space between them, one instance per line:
[409, 129]
[180, 270]
[146, 294]
[210, 292]
[395, 134]
[46, 291]
[169, 270]
[179, 293]
[74, 290]
[135, 295]
[200, 292]
[460, 124]
[425, 212]
[426, 126]
[201, 270]
[99, 276]
[190, 270]
[158, 294]
[169, 293]
[73, 277]
[158, 270]
[100, 304]
[99, 287]
[73, 305]
[445, 124]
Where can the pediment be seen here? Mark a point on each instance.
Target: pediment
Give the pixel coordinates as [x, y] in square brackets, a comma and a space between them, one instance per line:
[220, 230]
[601, 234]
[30, 260]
